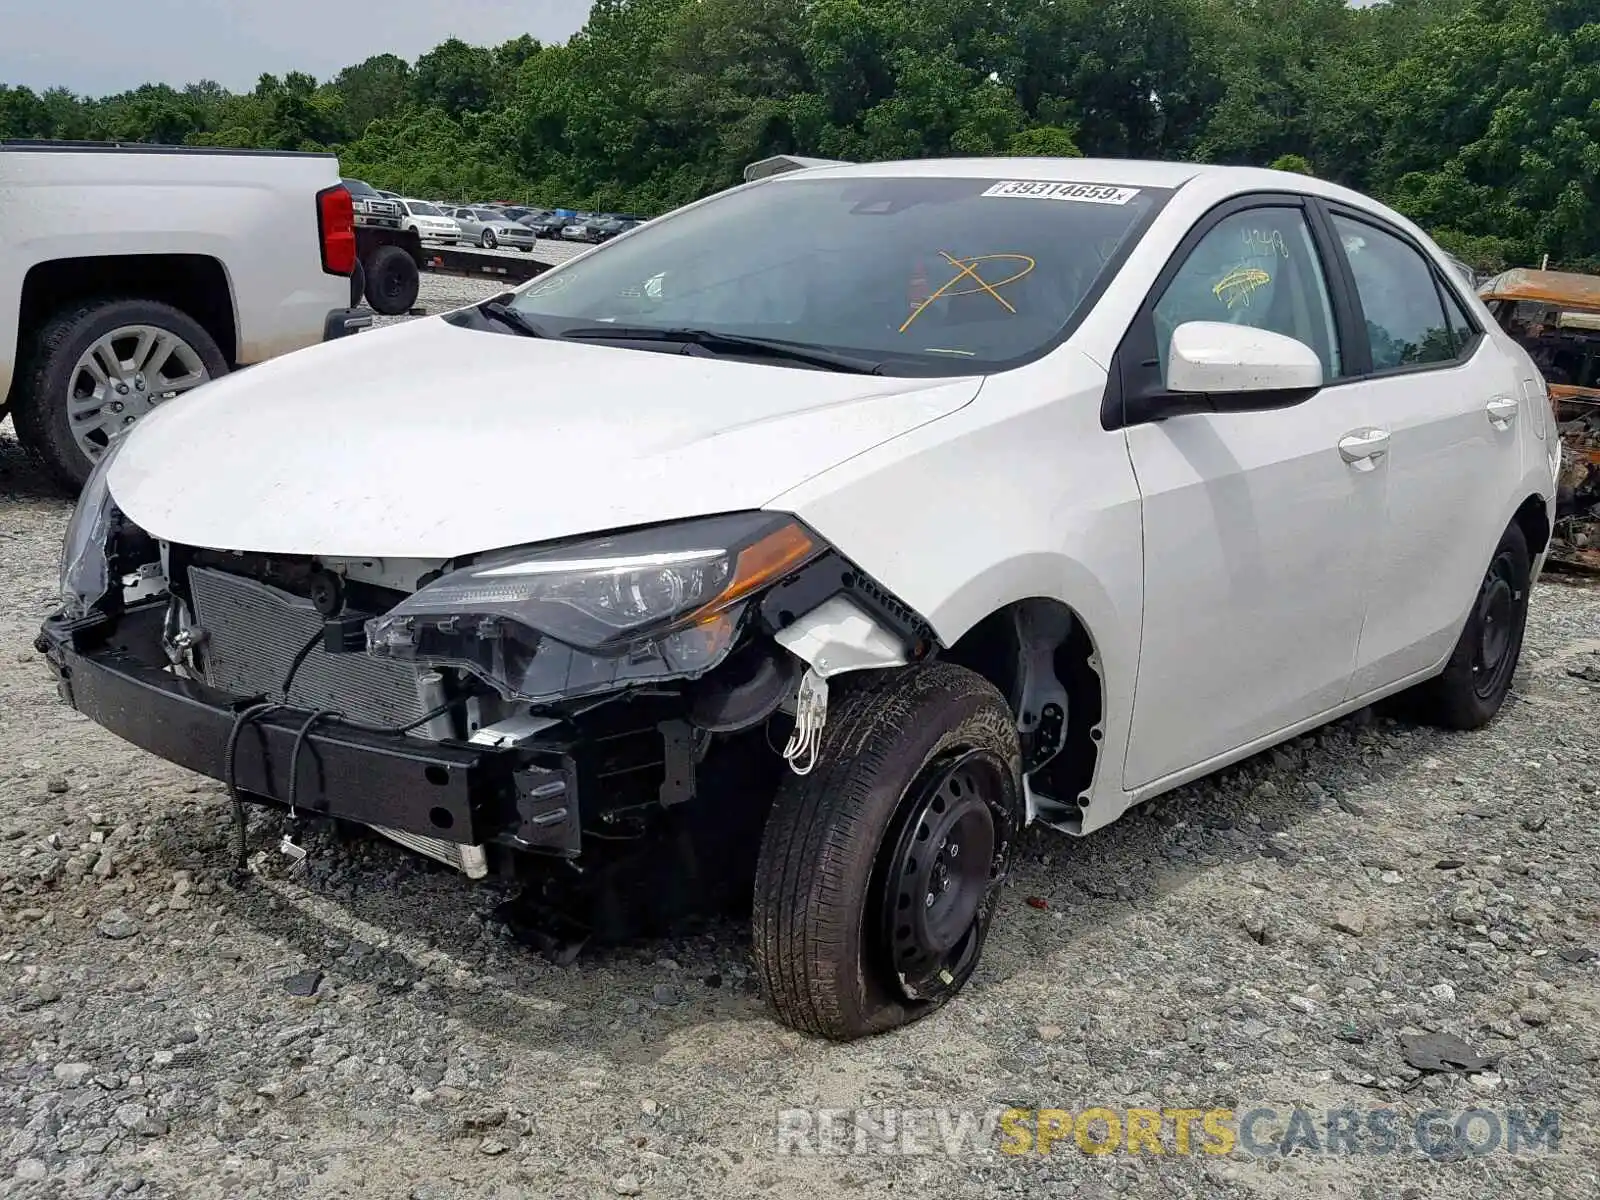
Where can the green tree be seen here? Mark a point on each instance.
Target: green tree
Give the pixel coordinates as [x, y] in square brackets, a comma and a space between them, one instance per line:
[455, 77]
[380, 86]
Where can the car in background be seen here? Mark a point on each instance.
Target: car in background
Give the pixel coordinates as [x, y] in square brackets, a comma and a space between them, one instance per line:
[489, 228]
[581, 228]
[142, 278]
[430, 222]
[611, 227]
[548, 226]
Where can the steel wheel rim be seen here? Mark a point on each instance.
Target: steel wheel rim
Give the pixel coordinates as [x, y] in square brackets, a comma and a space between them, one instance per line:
[122, 376]
[1494, 620]
[950, 847]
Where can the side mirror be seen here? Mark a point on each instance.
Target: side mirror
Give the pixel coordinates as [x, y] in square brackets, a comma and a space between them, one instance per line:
[1235, 368]
[1217, 359]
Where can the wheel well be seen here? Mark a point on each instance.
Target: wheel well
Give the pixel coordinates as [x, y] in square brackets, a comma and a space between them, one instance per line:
[195, 283]
[1533, 517]
[1001, 647]
[369, 239]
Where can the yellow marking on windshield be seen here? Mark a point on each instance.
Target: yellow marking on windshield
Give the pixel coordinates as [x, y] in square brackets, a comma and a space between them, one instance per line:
[1238, 285]
[966, 269]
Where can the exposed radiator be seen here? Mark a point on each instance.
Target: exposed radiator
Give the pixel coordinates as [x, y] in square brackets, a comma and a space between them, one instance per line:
[253, 632]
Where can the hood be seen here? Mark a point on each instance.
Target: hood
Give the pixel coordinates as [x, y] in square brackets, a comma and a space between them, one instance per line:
[426, 440]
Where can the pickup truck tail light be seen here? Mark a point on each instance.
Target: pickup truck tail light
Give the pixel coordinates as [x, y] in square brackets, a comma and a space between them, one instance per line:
[336, 225]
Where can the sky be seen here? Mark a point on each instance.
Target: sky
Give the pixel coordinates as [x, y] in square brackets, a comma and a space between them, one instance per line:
[100, 47]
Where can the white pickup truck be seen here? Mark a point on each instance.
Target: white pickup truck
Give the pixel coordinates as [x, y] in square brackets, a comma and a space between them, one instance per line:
[130, 273]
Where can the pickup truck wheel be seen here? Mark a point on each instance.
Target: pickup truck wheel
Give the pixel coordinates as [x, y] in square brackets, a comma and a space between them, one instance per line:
[880, 870]
[1474, 684]
[392, 281]
[98, 367]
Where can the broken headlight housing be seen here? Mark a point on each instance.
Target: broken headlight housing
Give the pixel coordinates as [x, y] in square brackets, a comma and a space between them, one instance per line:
[584, 617]
[85, 551]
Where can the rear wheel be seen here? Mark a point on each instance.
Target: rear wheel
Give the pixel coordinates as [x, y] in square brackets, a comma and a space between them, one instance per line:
[1475, 682]
[392, 281]
[880, 871]
[98, 367]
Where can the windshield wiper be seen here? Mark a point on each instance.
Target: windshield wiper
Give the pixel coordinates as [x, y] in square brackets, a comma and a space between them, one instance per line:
[498, 308]
[735, 342]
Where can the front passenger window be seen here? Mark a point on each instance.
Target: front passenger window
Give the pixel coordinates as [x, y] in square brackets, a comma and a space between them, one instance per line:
[1258, 267]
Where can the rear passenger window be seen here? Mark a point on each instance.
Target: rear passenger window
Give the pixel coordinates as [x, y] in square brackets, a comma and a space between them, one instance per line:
[1405, 317]
[1461, 327]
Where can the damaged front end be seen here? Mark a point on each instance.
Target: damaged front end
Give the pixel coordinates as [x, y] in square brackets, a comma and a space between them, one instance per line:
[507, 714]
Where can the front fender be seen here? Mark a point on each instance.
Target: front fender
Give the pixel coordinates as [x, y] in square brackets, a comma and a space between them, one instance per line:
[1019, 495]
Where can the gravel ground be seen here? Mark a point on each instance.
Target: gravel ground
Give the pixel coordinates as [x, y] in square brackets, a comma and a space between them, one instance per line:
[365, 1028]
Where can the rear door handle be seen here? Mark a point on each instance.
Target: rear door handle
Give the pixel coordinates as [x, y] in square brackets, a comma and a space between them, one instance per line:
[1362, 448]
[1502, 411]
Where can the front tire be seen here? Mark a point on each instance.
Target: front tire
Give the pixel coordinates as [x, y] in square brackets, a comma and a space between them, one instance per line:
[97, 367]
[864, 918]
[487, 241]
[1476, 680]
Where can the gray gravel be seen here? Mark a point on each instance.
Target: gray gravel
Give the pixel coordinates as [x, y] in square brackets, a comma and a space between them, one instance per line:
[363, 1028]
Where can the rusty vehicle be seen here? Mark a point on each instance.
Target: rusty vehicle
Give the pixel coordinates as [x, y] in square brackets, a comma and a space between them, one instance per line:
[1555, 315]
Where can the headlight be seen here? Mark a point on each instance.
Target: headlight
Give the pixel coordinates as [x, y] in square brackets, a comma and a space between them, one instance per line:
[85, 568]
[586, 617]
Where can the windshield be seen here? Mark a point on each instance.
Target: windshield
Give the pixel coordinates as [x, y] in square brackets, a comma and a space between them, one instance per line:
[926, 275]
[419, 209]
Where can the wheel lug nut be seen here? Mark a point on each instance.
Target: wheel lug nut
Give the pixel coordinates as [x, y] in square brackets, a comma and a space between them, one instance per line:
[116, 406]
[127, 420]
[955, 850]
[122, 389]
[928, 903]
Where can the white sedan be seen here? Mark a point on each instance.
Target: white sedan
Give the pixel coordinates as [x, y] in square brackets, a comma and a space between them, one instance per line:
[430, 223]
[873, 511]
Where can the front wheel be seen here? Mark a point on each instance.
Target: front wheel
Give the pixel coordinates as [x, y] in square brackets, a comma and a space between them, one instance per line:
[1476, 680]
[487, 241]
[880, 871]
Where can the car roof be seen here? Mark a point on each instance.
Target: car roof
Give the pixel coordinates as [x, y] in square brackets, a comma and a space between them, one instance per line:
[1551, 287]
[1128, 172]
[1120, 172]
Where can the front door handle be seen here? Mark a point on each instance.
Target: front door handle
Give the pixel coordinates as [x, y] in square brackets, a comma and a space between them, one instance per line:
[1502, 411]
[1362, 448]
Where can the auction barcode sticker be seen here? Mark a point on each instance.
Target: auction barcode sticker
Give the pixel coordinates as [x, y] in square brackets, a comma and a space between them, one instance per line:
[1045, 189]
